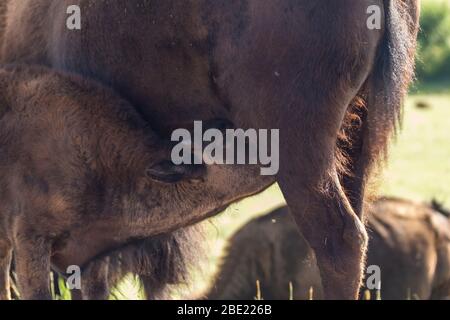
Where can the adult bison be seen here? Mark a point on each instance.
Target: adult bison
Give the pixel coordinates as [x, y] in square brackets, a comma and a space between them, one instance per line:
[410, 242]
[313, 69]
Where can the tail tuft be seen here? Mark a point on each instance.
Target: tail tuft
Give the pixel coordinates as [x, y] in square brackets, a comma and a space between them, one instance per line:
[393, 73]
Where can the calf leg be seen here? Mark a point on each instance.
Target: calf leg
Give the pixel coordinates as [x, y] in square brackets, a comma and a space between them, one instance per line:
[32, 261]
[76, 294]
[153, 289]
[96, 286]
[94, 282]
[5, 264]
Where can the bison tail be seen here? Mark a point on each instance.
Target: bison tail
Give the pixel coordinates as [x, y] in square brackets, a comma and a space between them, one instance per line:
[374, 116]
[393, 73]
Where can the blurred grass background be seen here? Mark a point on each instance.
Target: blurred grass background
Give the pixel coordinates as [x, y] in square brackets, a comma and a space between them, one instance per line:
[434, 42]
[418, 169]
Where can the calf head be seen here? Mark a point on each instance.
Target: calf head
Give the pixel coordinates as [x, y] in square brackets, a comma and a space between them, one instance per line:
[91, 175]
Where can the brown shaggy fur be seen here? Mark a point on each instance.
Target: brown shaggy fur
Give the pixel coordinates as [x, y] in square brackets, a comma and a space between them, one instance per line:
[83, 175]
[158, 263]
[293, 65]
[410, 243]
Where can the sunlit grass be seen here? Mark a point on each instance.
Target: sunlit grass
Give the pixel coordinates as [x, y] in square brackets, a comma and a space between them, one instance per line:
[419, 165]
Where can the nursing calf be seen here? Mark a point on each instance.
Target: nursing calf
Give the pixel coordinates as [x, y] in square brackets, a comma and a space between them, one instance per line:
[408, 241]
[82, 174]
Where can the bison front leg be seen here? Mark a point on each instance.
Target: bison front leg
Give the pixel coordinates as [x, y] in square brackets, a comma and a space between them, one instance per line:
[5, 264]
[32, 261]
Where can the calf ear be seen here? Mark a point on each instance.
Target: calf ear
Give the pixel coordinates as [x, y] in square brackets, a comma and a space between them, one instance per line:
[168, 172]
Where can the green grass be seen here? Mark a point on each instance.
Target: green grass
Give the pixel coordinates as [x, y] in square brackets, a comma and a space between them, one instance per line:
[431, 87]
[419, 166]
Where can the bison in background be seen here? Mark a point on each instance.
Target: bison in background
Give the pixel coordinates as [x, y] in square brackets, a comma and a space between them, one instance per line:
[410, 243]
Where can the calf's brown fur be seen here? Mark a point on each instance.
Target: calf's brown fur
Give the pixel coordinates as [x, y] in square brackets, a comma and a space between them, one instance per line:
[82, 174]
[157, 263]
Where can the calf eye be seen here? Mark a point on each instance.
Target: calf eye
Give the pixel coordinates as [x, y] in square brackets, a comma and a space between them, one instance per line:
[168, 172]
